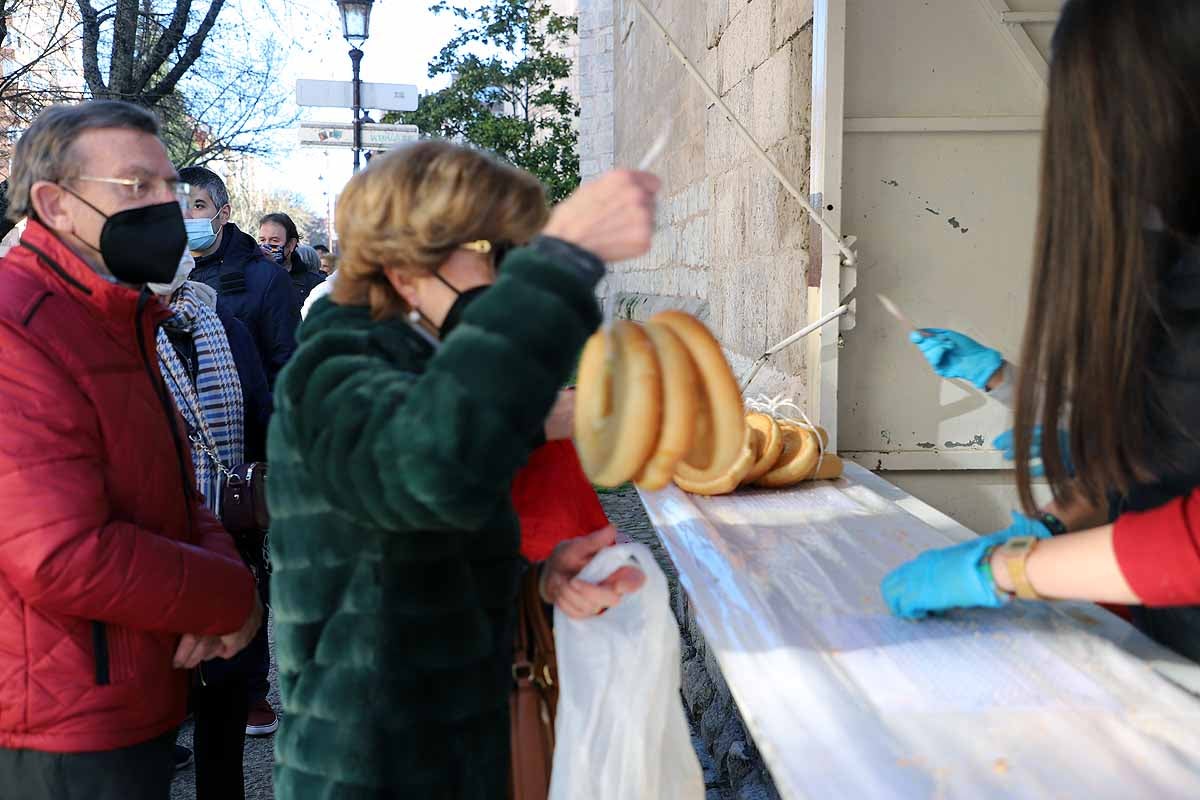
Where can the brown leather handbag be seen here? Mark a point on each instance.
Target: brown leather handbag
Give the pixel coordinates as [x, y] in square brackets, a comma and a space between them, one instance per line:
[534, 697]
[244, 503]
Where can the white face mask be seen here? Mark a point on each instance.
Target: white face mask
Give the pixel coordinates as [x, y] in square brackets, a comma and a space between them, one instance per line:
[186, 265]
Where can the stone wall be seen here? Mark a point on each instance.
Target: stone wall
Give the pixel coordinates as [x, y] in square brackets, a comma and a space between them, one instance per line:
[595, 82]
[732, 244]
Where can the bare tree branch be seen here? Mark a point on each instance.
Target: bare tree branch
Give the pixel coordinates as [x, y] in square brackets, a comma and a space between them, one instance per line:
[91, 41]
[124, 38]
[171, 36]
[21, 93]
[190, 54]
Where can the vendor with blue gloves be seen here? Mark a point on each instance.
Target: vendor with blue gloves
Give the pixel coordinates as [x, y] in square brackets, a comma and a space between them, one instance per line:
[1112, 350]
[955, 355]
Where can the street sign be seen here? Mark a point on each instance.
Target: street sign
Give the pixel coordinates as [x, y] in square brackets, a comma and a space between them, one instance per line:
[340, 94]
[375, 136]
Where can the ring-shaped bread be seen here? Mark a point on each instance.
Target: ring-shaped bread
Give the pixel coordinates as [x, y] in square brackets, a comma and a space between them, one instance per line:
[730, 480]
[680, 387]
[618, 404]
[830, 467]
[767, 442]
[796, 462]
[717, 442]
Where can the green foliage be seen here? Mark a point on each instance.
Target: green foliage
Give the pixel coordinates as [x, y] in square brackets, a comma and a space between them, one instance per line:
[509, 68]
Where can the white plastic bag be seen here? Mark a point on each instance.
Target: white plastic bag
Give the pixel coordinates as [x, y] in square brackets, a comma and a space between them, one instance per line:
[620, 732]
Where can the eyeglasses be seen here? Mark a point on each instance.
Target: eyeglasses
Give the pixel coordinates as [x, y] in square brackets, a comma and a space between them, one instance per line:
[142, 188]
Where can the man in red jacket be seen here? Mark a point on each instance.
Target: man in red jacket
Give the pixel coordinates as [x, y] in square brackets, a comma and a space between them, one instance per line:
[114, 578]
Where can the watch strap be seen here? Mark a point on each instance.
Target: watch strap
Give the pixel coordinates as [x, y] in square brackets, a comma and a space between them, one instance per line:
[1015, 553]
[1053, 524]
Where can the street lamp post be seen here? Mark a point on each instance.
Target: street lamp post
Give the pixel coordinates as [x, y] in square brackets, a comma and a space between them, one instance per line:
[356, 60]
[356, 25]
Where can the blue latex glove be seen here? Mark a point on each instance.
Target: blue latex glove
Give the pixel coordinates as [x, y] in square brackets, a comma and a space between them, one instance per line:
[953, 355]
[952, 577]
[1005, 442]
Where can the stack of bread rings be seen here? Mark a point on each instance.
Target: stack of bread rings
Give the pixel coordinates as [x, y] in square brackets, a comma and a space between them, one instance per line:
[658, 402]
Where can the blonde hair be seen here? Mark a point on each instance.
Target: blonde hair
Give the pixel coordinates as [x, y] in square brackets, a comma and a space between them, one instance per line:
[411, 208]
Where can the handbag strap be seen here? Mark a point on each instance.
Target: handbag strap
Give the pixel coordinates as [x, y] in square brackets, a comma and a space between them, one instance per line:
[534, 630]
[522, 666]
[194, 434]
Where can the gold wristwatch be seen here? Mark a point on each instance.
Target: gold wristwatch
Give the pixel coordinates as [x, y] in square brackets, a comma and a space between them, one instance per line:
[1015, 552]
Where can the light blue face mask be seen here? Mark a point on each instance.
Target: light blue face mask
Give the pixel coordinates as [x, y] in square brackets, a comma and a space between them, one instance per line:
[200, 233]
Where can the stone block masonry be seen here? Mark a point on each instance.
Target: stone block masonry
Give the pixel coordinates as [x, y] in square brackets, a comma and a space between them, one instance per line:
[729, 235]
[732, 245]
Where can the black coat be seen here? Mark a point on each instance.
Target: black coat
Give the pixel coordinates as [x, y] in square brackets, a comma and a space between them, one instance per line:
[256, 395]
[304, 280]
[257, 292]
[1172, 426]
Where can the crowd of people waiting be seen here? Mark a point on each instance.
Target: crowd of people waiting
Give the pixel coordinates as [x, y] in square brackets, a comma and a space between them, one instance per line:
[147, 344]
[417, 432]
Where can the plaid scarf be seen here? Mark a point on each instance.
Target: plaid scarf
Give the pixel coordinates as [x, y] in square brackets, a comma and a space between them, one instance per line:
[211, 407]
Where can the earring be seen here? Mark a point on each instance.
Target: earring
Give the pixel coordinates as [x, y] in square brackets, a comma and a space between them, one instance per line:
[414, 316]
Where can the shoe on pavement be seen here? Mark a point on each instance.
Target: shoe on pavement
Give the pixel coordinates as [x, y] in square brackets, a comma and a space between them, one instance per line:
[183, 757]
[262, 720]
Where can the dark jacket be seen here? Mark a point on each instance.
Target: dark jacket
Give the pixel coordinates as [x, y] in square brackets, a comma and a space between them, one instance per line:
[394, 541]
[256, 394]
[257, 292]
[256, 402]
[1173, 425]
[304, 280]
[107, 553]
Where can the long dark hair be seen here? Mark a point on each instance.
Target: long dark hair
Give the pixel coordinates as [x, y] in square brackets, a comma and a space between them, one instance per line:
[289, 231]
[1121, 147]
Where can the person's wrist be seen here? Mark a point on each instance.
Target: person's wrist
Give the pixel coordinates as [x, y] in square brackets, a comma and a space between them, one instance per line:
[990, 362]
[998, 569]
[998, 378]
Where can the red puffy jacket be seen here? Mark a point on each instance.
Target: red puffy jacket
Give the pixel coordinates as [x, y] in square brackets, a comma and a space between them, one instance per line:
[106, 553]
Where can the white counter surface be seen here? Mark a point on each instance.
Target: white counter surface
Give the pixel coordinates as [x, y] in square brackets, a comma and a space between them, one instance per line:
[845, 701]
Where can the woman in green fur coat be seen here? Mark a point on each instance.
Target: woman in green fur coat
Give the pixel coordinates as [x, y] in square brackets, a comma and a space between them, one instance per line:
[416, 394]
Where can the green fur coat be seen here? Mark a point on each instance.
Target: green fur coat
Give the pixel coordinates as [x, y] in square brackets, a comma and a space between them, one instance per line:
[394, 541]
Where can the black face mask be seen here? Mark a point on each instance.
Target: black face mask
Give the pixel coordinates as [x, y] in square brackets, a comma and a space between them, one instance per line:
[454, 315]
[142, 245]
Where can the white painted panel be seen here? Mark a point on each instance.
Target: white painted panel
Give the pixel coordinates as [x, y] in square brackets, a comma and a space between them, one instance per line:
[945, 225]
[940, 164]
[982, 500]
[931, 58]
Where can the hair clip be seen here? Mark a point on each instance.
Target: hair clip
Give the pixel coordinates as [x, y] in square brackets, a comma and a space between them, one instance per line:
[481, 246]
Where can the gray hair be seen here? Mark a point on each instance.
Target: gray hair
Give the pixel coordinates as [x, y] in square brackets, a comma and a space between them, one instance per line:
[309, 257]
[44, 151]
[209, 181]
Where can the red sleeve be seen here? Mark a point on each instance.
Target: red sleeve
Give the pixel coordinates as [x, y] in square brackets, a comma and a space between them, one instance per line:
[61, 550]
[234, 600]
[211, 535]
[1158, 551]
